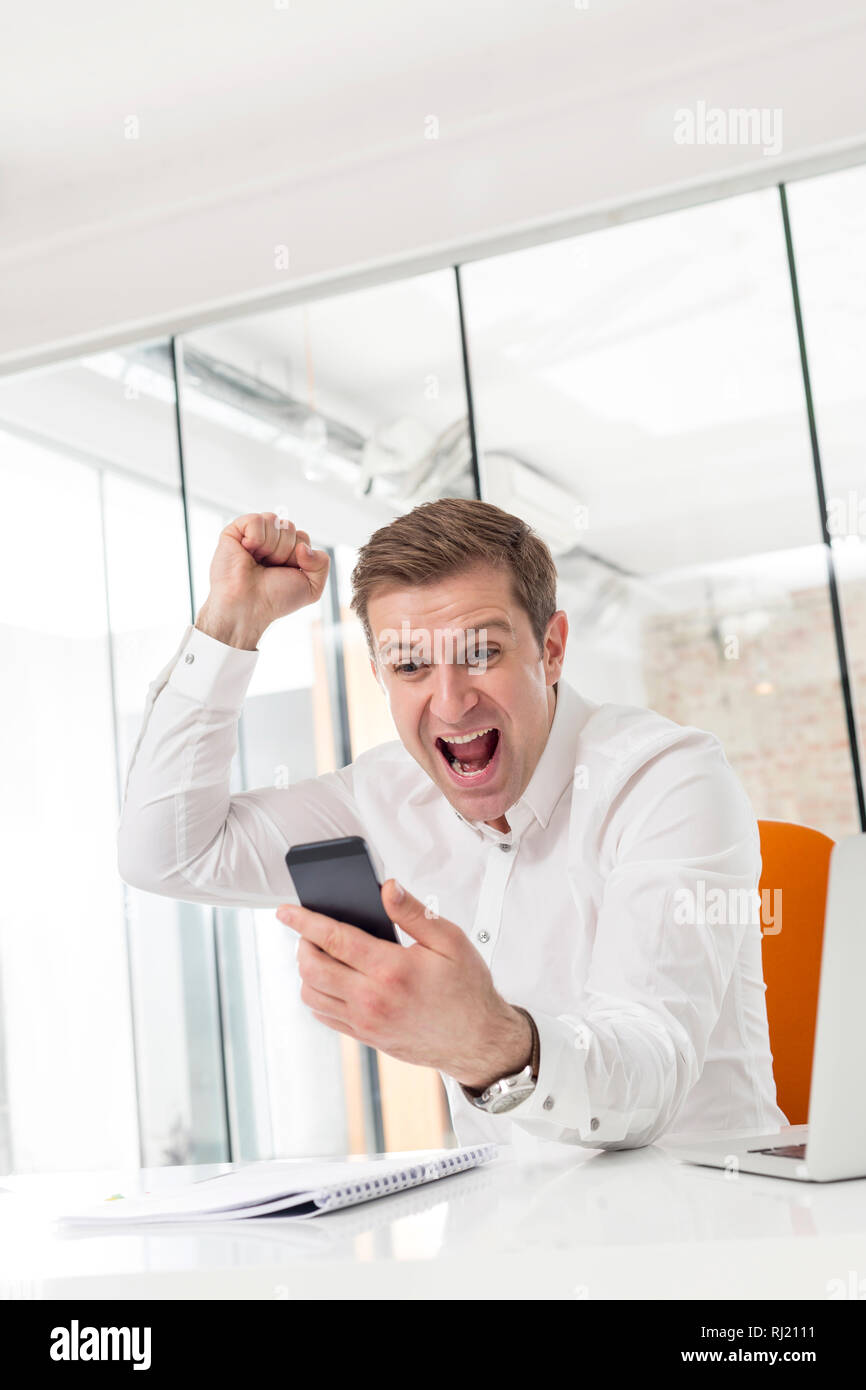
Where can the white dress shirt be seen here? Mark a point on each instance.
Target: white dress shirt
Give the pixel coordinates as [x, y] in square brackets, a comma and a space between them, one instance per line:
[647, 1024]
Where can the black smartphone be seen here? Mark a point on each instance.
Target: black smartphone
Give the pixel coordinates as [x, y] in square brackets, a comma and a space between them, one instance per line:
[337, 877]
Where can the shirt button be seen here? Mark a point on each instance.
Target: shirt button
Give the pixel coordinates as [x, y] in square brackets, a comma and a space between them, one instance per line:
[593, 1124]
[506, 849]
[548, 1103]
[189, 658]
[483, 936]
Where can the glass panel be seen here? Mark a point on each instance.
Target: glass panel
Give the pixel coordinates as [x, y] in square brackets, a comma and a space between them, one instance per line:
[91, 449]
[180, 1067]
[337, 414]
[639, 402]
[65, 1017]
[828, 228]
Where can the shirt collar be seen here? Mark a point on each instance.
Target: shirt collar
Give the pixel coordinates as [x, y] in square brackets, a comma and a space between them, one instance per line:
[553, 771]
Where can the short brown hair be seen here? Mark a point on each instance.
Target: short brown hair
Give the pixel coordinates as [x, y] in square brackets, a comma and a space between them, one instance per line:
[449, 536]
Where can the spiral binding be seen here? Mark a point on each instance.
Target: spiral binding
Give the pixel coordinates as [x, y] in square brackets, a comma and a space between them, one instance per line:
[348, 1194]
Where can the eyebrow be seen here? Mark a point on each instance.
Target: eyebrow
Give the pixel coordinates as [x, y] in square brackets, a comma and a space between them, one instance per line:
[486, 625]
[498, 624]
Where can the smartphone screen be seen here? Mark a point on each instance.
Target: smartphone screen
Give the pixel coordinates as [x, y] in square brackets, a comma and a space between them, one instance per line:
[337, 878]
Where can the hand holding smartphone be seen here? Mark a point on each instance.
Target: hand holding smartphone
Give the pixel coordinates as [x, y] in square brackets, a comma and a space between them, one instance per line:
[337, 878]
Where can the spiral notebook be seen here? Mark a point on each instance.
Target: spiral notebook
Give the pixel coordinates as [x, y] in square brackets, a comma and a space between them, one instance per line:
[284, 1187]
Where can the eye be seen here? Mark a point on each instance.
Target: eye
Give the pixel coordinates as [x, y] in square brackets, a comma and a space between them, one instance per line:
[410, 668]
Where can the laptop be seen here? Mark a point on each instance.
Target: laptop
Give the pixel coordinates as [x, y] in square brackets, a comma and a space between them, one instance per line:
[832, 1145]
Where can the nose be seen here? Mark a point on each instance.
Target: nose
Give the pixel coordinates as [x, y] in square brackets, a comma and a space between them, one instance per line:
[454, 697]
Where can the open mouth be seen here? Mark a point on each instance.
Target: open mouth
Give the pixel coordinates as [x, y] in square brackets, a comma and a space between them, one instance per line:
[469, 761]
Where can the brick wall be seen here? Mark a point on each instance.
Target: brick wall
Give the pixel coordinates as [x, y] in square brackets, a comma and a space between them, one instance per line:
[789, 744]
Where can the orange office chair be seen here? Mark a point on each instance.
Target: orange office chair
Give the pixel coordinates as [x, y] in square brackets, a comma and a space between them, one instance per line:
[795, 859]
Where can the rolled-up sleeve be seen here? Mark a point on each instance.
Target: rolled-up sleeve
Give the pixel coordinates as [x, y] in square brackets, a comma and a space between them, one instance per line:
[682, 849]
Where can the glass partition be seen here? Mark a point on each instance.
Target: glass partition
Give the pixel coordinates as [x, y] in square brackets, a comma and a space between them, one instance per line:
[828, 229]
[111, 1045]
[640, 402]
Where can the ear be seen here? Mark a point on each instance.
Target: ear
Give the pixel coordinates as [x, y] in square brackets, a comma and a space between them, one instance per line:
[376, 675]
[555, 640]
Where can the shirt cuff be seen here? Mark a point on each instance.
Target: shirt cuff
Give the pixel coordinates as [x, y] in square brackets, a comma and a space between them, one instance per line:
[561, 1099]
[211, 672]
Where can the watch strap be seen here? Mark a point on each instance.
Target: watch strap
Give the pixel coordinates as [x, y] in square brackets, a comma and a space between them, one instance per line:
[535, 1058]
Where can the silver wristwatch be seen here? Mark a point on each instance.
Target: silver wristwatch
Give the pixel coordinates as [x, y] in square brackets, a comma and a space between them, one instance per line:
[504, 1094]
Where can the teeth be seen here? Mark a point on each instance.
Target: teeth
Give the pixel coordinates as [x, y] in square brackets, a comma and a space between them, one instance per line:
[465, 770]
[467, 738]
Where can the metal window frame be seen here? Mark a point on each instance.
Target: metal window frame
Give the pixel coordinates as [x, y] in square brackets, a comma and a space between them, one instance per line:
[838, 625]
[335, 667]
[213, 938]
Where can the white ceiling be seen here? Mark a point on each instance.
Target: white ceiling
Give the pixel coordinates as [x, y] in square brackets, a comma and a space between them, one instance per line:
[304, 120]
[231, 93]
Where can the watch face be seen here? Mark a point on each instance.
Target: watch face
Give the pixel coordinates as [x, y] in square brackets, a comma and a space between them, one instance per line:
[510, 1099]
[504, 1095]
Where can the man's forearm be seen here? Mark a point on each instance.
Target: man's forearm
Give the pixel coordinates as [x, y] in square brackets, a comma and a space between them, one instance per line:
[505, 1056]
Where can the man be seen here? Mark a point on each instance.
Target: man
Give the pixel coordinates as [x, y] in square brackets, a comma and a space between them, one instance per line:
[547, 857]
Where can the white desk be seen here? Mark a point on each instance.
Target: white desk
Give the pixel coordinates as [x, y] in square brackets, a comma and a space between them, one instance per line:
[568, 1223]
